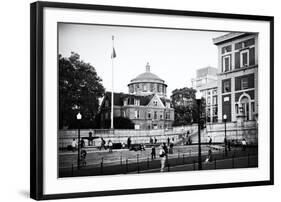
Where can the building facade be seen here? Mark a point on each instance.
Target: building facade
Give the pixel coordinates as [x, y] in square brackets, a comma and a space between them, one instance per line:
[207, 83]
[146, 104]
[237, 76]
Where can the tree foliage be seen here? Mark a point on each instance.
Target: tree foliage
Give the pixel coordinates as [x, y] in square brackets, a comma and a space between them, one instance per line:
[185, 105]
[79, 91]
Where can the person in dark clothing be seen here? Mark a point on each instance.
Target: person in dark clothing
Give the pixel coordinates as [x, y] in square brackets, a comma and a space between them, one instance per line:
[229, 145]
[102, 144]
[83, 157]
[155, 140]
[129, 142]
[82, 143]
[153, 152]
[151, 140]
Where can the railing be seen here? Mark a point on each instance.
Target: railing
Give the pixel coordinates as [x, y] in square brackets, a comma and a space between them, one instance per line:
[177, 161]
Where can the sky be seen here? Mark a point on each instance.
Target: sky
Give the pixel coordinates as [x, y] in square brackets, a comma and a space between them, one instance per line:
[173, 55]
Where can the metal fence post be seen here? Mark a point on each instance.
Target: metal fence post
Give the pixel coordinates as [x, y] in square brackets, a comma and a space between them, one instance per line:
[147, 162]
[193, 164]
[72, 170]
[138, 163]
[183, 159]
[215, 163]
[126, 165]
[101, 166]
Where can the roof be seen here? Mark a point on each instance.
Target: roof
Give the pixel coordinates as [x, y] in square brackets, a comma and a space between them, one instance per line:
[147, 76]
[227, 37]
[144, 100]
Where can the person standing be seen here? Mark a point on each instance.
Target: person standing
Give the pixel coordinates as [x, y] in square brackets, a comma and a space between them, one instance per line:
[171, 146]
[73, 144]
[129, 142]
[244, 144]
[102, 144]
[153, 152]
[163, 156]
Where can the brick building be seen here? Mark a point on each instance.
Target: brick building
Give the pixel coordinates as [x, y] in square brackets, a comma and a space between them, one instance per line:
[237, 76]
[146, 104]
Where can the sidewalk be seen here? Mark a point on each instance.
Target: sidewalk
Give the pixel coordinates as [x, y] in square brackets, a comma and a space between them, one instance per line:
[176, 163]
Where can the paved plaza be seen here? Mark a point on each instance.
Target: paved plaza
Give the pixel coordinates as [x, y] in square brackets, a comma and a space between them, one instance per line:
[183, 158]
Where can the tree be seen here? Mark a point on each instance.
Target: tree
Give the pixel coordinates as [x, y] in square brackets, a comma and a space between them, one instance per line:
[80, 89]
[185, 105]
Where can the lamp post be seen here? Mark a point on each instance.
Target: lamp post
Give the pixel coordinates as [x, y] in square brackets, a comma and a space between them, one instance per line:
[225, 140]
[198, 99]
[78, 117]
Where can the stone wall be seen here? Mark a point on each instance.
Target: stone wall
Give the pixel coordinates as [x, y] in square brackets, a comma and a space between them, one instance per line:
[234, 131]
[121, 135]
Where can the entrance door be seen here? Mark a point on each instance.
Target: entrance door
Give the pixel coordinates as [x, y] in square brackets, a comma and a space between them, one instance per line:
[245, 104]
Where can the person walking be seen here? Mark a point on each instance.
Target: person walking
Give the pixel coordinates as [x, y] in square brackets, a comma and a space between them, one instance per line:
[163, 155]
[209, 157]
[102, 144]
[110, 145]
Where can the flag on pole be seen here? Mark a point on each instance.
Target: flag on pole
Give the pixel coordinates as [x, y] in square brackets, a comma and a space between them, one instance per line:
[113, 55]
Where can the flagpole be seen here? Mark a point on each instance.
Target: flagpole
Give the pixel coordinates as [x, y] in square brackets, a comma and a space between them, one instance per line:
[112, 87]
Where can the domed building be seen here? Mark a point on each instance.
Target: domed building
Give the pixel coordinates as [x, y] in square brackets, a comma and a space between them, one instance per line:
[146, 104]
[148, 83]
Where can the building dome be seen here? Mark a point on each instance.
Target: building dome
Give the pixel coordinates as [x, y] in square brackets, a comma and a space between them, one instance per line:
[147, 83]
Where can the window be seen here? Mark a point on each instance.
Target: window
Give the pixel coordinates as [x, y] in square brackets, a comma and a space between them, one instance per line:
[214, 92]
[144, 87]
[137, 102]
[149, 115]
[106, 104]
[106, 116]
[226, 86]
[124, 113]
[137, 114]
[208, 101]
[215, 111]
[161, 116]
[226, 49]
[155, 115]
[167, 115]
[226, 63]
[244, 83]
[253, 106]
[155, 103]
[215, 100]
[125, 102]
[244, 58]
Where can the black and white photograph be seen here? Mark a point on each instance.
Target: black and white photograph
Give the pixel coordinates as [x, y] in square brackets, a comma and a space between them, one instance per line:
[138, 100]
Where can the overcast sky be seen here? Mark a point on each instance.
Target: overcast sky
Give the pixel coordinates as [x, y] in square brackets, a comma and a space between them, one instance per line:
[174, 55]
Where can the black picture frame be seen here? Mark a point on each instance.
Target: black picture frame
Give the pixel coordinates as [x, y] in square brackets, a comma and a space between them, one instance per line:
[37, 99]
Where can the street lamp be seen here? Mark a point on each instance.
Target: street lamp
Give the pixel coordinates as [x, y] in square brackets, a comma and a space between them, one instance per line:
[225, 140]
[78, 117]
[198, 100]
